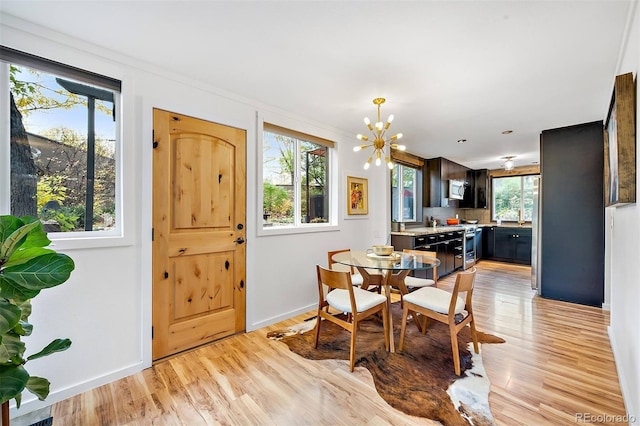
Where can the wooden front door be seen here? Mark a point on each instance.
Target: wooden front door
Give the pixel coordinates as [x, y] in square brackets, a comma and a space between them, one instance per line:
[199, 203]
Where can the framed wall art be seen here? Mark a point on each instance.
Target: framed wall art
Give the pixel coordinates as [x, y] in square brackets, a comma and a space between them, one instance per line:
[357, 195]
[620, 144]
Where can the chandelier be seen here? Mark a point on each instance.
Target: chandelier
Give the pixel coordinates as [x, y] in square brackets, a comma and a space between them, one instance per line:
[378, 130]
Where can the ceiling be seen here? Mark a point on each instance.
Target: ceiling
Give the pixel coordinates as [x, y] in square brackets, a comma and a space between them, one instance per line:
[449, 70]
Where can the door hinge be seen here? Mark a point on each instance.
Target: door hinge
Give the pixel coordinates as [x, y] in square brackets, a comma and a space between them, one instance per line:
[152, 332]
[153, 234]
[153, 139]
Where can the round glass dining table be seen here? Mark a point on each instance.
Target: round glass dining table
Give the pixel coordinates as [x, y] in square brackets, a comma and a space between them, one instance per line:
[394, 269]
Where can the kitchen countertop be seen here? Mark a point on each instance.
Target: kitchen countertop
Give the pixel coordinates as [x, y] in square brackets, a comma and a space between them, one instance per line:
[427, 230]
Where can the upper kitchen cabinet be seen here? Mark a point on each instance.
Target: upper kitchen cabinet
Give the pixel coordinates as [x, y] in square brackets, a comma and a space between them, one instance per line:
[475, 193]
[437, 174]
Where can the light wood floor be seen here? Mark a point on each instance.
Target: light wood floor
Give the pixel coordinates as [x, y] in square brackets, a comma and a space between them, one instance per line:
[556, 362]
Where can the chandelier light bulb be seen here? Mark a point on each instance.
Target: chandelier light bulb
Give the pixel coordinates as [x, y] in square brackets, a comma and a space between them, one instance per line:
[368, 163]
[357, 148]
[389, 163]
[390, 119]
[362, 137]
[367, 121]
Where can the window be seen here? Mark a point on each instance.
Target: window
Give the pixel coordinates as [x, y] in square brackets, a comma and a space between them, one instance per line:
[405, 196]
[295, 178]
[511, 197]
[63, 145]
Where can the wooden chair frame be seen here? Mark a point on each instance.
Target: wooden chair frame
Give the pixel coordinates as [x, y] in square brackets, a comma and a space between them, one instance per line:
[464, 283]
[368, 279]
[342, 280]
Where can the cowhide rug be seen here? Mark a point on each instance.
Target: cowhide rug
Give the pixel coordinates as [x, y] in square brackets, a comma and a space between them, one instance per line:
[420, 380]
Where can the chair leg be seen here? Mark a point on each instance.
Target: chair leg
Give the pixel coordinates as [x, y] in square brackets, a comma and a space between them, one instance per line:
[352, 350]
[403, 327]
[424, 324]
[474, 336]
[454, 348]
[385, 322]
[318, 322]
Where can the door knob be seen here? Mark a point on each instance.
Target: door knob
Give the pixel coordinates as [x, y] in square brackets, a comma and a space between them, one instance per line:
[240, 240]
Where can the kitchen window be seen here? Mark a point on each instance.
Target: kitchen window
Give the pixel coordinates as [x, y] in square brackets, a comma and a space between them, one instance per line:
[512, 198]
[296, 180]
[63, 165]
[406, 204]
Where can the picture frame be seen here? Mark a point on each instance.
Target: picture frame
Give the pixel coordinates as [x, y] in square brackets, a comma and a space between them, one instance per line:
[357, 196]
[620, 144]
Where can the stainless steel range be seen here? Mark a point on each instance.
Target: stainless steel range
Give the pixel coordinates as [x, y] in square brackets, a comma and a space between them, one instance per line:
[469, 246]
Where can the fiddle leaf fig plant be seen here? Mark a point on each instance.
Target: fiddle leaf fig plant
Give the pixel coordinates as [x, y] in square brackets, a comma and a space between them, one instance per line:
[27, 266]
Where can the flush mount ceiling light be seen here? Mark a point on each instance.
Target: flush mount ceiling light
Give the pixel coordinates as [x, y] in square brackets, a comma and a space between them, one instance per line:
[378, 130]
[508, 164]
[462, 140]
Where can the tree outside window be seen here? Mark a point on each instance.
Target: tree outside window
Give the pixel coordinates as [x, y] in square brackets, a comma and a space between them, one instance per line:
[60, 171]
[512, 196]
[295, 176]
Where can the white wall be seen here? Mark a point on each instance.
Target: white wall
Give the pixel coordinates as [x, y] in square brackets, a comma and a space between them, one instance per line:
[623, 236]
[105, 307]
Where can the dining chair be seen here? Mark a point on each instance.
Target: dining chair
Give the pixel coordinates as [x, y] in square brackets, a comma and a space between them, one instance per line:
[438, 304]
[371, 279]
[345, 298]
[413, 283]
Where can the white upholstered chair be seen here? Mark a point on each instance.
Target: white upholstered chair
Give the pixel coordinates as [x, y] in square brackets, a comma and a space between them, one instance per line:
[344, 297]
[438, 304]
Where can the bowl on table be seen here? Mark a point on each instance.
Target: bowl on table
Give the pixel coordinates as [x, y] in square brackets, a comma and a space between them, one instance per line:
[382, 250]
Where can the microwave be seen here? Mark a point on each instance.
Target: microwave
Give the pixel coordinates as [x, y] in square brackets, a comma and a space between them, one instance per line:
[456, 189]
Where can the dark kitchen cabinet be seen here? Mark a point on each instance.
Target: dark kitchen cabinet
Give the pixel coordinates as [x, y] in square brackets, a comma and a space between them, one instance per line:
[448, 247]
[488, 242]
[436, 175]
[513, 245]
[475, 191]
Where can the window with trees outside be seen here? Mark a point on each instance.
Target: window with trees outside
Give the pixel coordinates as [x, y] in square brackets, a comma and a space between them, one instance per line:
[63, 146]
[404, 193]
[512, 198]
[295, 178]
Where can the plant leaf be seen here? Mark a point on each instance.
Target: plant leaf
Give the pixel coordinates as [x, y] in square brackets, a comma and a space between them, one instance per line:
[57, 345]
[45, 271]
[23, 329]
[37, 237]
[13, 241]
[11, 349]
[9, 315]
[23, 255]
[8, 224]
[13, 380]
[39, 386]
[11, 290]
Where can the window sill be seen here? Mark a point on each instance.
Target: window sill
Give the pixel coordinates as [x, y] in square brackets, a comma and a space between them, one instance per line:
[63, 242]
[266, 232]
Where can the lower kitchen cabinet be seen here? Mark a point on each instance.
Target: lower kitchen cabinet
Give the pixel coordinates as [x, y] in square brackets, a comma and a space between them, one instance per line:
[513, 245]
[507, 244]
[448, 246]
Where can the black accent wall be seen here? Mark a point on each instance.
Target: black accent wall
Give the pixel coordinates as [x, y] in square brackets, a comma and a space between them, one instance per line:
[572, 214]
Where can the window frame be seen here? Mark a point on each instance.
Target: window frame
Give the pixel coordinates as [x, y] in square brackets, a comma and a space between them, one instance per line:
[493, 198]
[417, 198]
[77, 239]
[297, 227]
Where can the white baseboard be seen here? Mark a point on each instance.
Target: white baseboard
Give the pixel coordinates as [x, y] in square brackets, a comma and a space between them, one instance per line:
[264, 323]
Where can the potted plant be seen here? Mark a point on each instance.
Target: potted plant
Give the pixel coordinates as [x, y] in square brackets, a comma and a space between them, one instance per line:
[27, 266]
